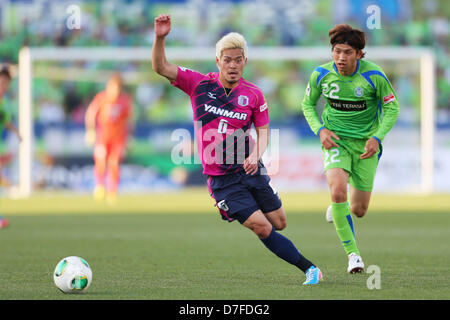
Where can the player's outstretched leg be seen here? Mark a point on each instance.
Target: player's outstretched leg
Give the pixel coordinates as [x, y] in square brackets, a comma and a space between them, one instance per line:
[344, 227]
[359, 205]
[342, 218]
[282, 246]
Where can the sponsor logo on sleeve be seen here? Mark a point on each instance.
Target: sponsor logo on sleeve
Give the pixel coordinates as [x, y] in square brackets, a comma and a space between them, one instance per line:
[263, 107]
[389, 98]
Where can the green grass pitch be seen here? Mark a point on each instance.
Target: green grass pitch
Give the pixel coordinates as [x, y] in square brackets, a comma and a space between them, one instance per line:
[147, 249]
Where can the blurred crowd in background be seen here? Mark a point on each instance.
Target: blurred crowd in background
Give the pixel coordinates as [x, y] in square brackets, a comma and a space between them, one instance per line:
[40, 23]
[63, 90]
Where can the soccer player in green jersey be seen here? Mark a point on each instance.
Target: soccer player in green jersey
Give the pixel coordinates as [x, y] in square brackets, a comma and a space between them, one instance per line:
[361, 108]
[5, 117]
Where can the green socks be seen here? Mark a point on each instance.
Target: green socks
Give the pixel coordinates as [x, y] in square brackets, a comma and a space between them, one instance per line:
[344, 226]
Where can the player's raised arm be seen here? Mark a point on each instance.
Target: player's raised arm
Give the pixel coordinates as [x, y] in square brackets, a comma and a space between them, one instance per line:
[159, 61]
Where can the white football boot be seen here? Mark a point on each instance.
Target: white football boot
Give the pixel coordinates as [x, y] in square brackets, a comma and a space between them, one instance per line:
[355, 263]
[329, 214]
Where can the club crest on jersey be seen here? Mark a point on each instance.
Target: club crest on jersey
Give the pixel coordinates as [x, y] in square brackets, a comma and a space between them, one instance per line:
[243, 101]
[359, 92]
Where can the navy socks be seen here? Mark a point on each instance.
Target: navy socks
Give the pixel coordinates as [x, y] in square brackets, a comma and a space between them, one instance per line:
[285, 249]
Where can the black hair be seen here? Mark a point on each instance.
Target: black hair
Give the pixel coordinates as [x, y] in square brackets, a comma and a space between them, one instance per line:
[345, 34]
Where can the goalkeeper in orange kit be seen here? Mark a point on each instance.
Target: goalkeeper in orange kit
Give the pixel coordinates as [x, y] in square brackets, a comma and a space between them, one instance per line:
[108, 125]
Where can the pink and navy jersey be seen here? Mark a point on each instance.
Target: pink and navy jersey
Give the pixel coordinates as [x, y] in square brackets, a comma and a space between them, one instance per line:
[222, 121]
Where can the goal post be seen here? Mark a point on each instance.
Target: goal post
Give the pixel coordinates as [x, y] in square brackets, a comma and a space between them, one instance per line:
[29, 55]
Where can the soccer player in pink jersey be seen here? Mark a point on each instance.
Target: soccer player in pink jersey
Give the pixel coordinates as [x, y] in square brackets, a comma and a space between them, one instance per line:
[108, 123]
[225, 106]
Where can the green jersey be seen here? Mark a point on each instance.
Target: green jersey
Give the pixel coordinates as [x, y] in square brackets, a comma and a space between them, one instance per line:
[359, 106]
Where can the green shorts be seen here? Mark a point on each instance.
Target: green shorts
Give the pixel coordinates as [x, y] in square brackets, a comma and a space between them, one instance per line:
[347, 156]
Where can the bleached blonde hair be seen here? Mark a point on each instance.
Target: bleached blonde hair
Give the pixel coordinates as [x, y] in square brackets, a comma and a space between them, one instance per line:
[232, 40]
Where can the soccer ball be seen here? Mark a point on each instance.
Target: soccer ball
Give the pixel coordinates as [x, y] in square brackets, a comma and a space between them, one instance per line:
[72, 275]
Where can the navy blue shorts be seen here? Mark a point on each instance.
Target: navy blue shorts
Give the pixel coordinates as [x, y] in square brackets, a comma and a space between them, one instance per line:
[239, 195]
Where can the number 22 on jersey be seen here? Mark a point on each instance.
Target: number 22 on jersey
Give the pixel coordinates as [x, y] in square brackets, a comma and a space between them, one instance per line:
[334, 88]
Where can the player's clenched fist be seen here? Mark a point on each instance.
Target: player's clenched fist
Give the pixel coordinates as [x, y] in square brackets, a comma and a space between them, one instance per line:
[326, 138]
[162, 25]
